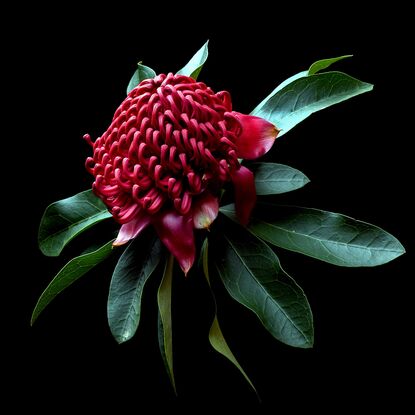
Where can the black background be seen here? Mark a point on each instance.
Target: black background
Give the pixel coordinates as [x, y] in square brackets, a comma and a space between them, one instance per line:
[73, 67]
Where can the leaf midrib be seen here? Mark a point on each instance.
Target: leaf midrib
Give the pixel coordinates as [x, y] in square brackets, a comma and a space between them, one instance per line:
[363, 87]
[107, 215]
[361, 247]
[263, 288]
[323, 101]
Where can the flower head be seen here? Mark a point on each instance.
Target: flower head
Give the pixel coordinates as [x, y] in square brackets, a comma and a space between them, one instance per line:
[172, 145]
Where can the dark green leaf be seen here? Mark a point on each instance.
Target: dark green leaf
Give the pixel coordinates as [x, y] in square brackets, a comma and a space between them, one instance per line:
[253, 276]
[73, 270]
[330, 237]
[273, 178]
[135, 266]
[324, 64]
[195, 65]
[216, 338]
[164, 321]
[142, 72]
[64, 220]
[298, 100]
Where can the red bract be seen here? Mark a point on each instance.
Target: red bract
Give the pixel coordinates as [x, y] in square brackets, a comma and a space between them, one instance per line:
[172, 145]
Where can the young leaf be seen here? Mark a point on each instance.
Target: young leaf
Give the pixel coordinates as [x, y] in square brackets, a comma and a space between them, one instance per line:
[195, 65]
[73, 270]
[64, 220]
[273, 178]
[142, 72]
[324, 64]
[165, 334]
[298, 100]
[314, 68]
[216, 338]
[252, 274]
[330, 237]
[135, 266]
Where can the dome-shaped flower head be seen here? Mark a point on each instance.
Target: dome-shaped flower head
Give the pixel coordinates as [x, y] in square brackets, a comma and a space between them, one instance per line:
[171, 147]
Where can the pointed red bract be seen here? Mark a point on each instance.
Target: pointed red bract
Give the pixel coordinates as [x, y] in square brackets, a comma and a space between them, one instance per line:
[131, 229]
[256, 138]
[176, 232]
[245, 194]
[205, 211]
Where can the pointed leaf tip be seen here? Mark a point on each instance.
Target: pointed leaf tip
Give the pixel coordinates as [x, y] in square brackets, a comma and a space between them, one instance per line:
[73, 270]
[135, 266]
[273, 178]
[327, 236]
[195, 65]
[252, 274]
[298, 100]
[67, 218]
[142, 72]
[165, 334]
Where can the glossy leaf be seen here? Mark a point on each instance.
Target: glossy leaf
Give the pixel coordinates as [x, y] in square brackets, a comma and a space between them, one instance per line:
[142, 72]
[165, 334]
[216, 338]
[252, 274]
[135, 266]
[195, 65]
[64, 220]
[301, 98]
[73, 270]
[273, 178]
[324, 64]
[330, 237]
[314, 68]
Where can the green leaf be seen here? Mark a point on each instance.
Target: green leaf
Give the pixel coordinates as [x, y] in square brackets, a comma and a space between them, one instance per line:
[195, 65]
[135, 266]
[330, 237]
[64, 220]
[142, 72]
[324, 64]
[288, 81]
[164, 321]
[273, 178]
[216, 338]
[298, 100]
[252, 274]
[314, 68]
[74, 269]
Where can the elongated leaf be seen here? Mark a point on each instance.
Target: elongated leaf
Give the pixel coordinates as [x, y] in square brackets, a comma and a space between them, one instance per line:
[273, 178]
[64, 220]
[324, 64]
[135, 266]
[195, 65]
[142, 72]
[330, 237]
[298, 100]
[73, 270]
[252, 274]
[216, 338]
[164, 321]
[314, 68]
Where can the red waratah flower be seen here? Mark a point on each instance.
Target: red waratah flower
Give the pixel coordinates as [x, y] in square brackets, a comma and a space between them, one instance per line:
[172, 145]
